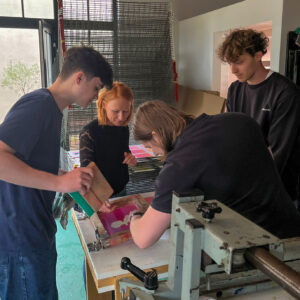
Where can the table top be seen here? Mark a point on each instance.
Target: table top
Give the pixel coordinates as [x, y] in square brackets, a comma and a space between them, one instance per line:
[105, 263]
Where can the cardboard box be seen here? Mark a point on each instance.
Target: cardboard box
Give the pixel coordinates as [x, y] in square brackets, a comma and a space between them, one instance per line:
[196, 102]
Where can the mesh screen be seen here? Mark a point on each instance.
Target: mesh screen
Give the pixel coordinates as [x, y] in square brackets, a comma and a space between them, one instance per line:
[143, 175]
[135, 38]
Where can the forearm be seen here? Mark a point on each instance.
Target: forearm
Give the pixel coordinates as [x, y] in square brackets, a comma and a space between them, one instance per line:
[147, 229]
[137, 231]
[13, 170]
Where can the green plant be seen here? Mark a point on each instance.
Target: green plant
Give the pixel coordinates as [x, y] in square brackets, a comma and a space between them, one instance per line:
[20, 77]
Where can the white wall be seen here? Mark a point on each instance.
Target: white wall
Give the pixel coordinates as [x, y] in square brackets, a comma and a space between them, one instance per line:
[191, 8]
[197, 35]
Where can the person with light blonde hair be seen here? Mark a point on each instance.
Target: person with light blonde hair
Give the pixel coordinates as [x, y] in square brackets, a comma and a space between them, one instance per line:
[167, 126]
[213, 154]
[105, 140]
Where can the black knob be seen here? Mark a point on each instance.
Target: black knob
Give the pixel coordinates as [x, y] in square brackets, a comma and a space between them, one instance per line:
[124, 262]
[209, 210]
[149, 279]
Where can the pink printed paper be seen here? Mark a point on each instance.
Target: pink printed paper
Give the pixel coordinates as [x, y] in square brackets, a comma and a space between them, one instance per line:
[119, 220]
[141, 151]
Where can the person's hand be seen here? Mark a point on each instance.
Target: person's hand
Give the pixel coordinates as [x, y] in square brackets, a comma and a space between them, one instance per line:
[80, 179]
[130, 159]
[106, 207]
[141, 206]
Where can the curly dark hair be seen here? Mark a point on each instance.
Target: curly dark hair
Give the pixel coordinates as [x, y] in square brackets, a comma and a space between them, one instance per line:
[240, 41]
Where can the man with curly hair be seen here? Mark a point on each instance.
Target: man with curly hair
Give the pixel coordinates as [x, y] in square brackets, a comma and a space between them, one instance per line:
[268, 97]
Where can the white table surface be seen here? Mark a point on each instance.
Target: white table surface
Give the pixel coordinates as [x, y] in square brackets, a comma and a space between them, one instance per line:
[106, 262]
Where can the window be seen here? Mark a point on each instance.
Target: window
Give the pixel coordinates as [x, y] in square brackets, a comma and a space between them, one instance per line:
[19, 65]
[12, 8]
[41, 9]
[28, 44]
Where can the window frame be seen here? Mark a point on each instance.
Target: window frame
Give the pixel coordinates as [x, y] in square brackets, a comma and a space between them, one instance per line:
[35, 23]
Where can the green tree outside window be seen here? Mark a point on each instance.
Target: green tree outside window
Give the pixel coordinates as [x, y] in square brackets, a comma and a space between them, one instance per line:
[21, 78]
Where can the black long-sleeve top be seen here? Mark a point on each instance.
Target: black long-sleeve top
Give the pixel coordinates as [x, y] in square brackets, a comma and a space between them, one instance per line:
[225, 156]
[105, 145]
[275, 105]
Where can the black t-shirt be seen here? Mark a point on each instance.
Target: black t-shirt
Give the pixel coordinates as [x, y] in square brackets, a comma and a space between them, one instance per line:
[105, 145]
[275, 105]
[225, 156]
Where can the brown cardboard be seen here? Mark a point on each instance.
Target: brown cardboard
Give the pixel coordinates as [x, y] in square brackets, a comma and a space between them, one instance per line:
[196, 102]
[100, 189]
[92, 200]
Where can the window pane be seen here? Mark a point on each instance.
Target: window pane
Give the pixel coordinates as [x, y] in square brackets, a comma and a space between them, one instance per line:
[78, 6]
[101, 10]
[41, 9]
[76, 37]
[102, 40]
[19, 65]
[11, 8]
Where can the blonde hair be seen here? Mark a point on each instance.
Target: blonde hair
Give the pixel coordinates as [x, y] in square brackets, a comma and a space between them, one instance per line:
[165, 120]
[119, 89]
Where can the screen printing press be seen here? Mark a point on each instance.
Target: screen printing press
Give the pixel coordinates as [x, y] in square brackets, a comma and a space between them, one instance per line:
[215, 253]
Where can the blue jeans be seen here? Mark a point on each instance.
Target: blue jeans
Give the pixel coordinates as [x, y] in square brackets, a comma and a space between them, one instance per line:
[28, 276]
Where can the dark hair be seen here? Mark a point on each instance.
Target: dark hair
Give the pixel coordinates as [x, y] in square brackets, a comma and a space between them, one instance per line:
[89, 61]
[165, 120]
[240, 41]
[119, 89]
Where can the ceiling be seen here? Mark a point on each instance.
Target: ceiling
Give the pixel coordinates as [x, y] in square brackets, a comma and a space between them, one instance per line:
[191, 8]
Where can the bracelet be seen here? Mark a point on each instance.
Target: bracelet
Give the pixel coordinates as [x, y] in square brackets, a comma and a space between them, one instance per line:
[136, 213]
